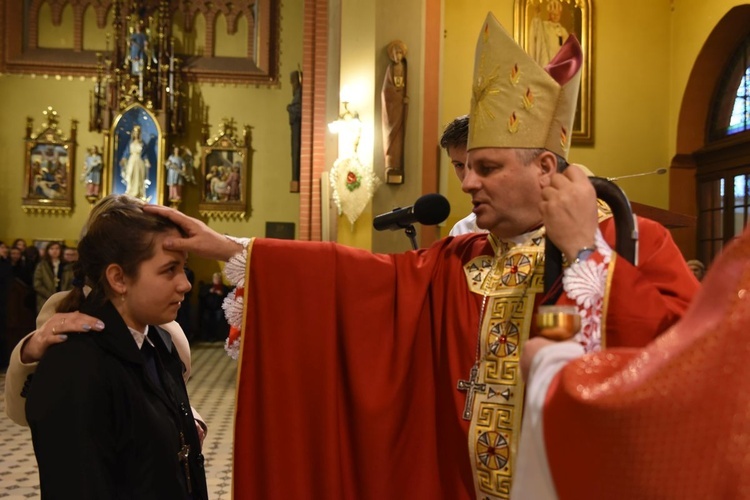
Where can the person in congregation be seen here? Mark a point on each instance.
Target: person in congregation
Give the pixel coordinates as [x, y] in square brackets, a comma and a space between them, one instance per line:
[397, 375]
[213, 325]
[51, 274]
[631, 418]
[698, 268]
[108, 410]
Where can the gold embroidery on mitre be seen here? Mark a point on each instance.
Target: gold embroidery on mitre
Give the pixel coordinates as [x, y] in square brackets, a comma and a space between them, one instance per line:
[547, 104]
[513, 123]
[528, 99]
[564, 138]
[515, 74]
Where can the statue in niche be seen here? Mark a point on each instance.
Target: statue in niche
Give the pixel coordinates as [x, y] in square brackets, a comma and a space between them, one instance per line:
[175, 166]
[394, 106]
[138, 49]
[295, 122]
[92, 172]
[180, 172]
[134, 166]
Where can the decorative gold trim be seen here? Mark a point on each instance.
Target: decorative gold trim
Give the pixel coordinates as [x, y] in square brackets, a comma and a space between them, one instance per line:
[245, 292]
[498, 410]
[222, 214]
[605, 299]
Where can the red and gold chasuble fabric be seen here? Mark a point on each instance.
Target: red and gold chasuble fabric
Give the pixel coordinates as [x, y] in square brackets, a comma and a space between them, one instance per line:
[347, 384]
[671, 420]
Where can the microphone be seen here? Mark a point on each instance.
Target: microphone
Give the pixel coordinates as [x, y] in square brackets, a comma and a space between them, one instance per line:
[428, 210]
[658, 171]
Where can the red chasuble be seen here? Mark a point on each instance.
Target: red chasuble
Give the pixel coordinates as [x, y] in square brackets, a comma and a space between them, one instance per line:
[349, 363]
[668, 421]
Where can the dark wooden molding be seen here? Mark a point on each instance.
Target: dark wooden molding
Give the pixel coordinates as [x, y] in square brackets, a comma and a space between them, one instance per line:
[20, 52]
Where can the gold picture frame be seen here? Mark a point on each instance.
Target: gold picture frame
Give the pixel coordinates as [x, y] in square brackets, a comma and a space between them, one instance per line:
[539, 25]
[226, 163]
[48, 171]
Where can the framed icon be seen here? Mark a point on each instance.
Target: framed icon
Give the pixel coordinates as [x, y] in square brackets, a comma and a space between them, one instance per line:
[225, 167]
[541, 27]
[48, 170]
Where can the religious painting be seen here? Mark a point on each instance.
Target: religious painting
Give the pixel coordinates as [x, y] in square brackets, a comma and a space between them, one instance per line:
[541, 27]
[48, 169]
[136, 156]
[225, 167]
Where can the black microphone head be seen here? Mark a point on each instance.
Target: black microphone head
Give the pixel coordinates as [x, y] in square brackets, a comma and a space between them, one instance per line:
[431, 209]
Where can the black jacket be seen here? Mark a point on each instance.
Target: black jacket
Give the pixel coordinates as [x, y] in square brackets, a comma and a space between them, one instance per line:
[102, 428]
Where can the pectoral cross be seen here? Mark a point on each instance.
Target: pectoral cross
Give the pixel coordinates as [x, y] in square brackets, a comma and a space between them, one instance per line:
[471, 386]
[182, 456]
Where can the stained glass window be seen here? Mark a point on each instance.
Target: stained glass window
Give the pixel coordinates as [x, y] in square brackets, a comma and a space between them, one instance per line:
[740, 117]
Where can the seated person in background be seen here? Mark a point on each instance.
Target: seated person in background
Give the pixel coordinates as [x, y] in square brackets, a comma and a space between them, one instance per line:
[108, 410]
[632, 417]
[699, 270]
[214, 325]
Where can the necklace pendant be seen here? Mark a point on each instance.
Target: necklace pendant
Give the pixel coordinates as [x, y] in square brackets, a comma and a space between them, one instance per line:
[471, 386]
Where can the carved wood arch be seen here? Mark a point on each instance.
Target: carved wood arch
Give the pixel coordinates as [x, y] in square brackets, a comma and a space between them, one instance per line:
[261, 65]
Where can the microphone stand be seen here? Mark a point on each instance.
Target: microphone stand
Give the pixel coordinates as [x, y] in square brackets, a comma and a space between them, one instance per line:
[411, 233]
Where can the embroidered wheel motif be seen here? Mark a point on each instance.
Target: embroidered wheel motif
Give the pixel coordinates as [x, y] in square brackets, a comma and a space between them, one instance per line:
[516, 269]
[503, 339]
[492, 450]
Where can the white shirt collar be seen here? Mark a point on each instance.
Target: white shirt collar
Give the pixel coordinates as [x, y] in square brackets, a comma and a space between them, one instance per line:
[139, 337]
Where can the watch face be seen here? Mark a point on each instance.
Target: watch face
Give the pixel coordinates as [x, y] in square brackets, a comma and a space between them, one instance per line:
[584, 254]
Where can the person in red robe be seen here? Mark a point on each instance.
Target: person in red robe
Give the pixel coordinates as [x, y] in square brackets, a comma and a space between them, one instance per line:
[666, 421]
[396, 376]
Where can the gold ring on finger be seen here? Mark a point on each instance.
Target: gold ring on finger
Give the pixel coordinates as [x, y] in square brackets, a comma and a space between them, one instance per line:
[53, 331]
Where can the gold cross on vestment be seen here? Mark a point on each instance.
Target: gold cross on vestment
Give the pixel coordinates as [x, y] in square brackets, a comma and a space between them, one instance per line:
[471, 386]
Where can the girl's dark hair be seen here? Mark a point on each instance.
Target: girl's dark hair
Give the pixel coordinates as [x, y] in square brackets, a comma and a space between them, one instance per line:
[118, 232]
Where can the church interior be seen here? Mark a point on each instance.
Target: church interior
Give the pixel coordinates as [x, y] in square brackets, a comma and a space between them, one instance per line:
[270, 115]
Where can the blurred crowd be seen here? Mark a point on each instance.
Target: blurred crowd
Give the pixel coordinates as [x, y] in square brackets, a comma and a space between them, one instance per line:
[29, 275]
